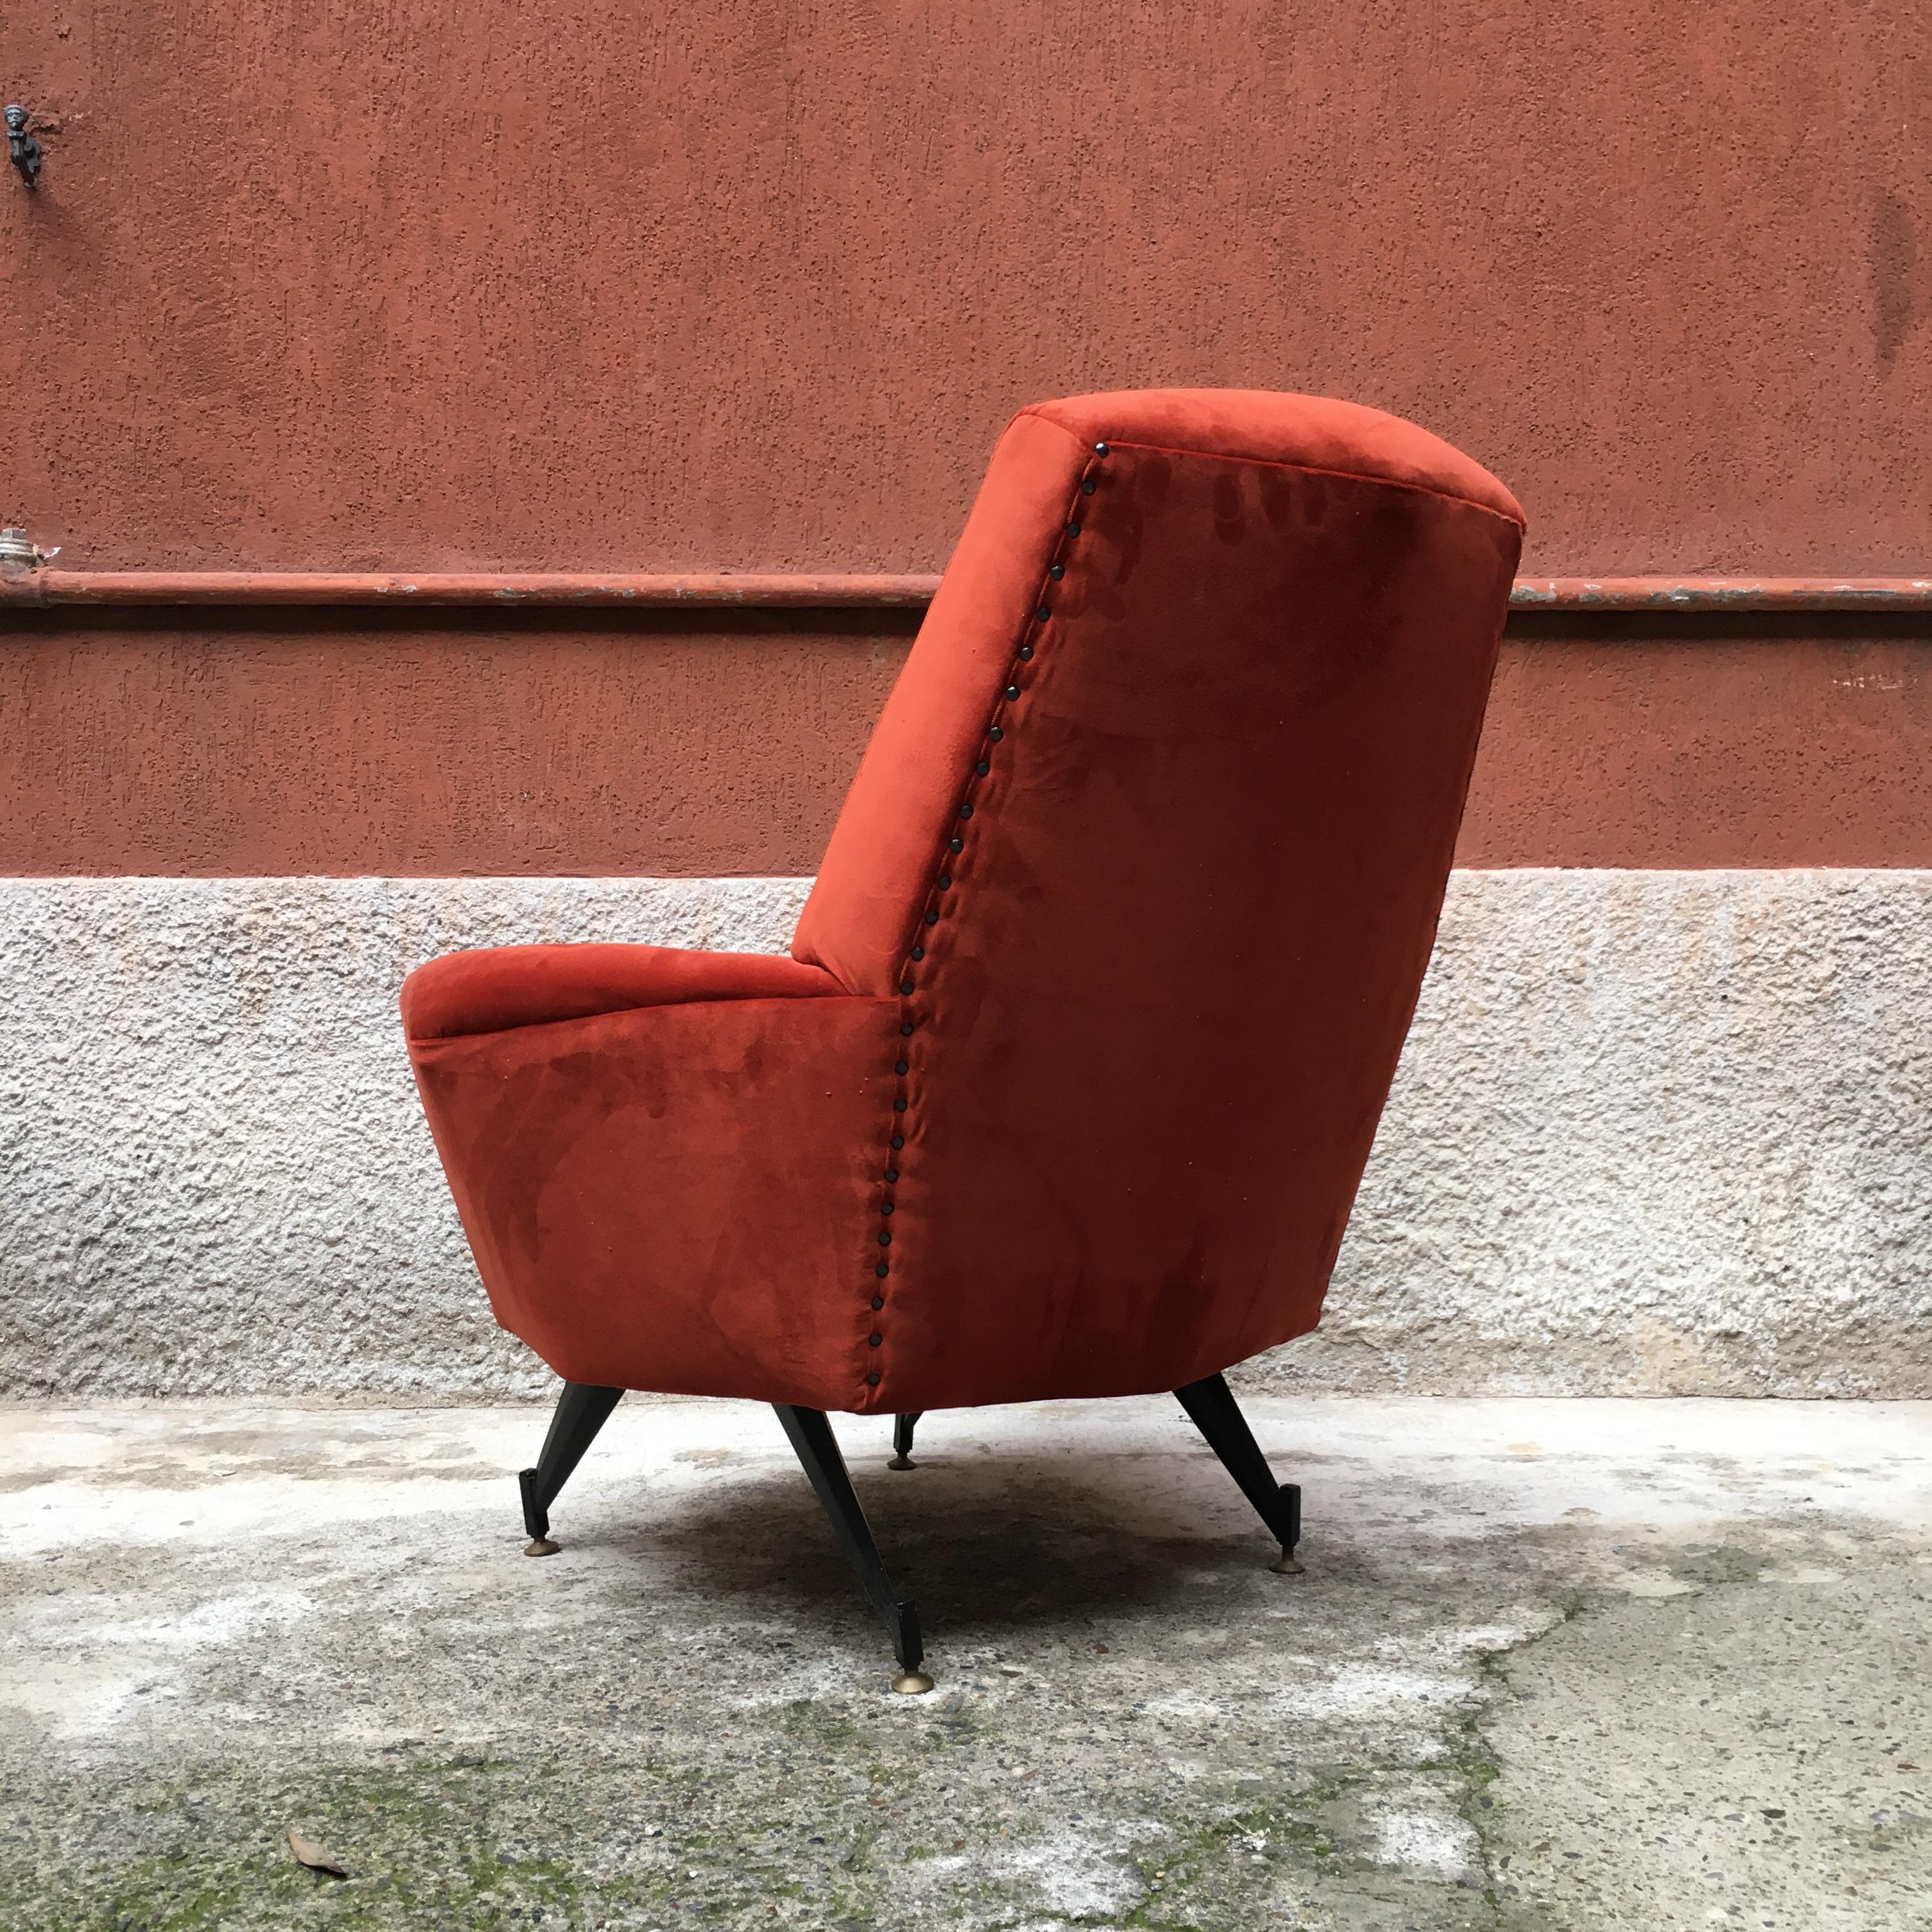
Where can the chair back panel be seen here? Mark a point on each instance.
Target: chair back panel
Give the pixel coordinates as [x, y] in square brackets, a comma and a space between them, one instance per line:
[1151, 840]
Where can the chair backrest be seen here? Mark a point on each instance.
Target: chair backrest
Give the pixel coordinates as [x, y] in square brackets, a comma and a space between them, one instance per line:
[1150, 844]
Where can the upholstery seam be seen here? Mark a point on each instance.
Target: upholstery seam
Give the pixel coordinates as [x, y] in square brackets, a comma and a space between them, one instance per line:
[648, 1006]
[1033, 410]
[905, 984]
[1521, 524]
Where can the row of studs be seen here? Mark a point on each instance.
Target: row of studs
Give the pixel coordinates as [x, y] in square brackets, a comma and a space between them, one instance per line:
[908, 1024]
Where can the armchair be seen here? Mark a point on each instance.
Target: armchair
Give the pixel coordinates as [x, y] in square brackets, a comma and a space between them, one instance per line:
[1068, 1083]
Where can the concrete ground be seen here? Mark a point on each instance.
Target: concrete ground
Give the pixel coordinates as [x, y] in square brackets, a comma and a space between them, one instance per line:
[1562, 1664]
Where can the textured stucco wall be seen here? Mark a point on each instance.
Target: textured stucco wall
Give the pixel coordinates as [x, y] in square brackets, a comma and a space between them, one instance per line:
[1655, 1132]
[509, 742]
[753, 285]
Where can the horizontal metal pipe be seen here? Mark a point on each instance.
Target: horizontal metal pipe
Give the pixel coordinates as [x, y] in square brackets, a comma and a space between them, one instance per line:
[42, 589]
[1722, 593]
[771, 592]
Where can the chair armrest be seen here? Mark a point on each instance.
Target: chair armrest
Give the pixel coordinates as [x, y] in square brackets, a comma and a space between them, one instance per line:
[497, 988]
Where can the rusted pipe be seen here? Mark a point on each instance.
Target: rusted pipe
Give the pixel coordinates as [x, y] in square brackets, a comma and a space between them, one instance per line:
[326, 588]
[773, 592]
[1722, 593]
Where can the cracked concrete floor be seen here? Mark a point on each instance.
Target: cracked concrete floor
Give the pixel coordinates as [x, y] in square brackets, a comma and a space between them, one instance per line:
[1553, 1664]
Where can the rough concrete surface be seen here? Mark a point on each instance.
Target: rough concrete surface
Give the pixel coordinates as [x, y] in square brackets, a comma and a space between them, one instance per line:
[1553, 1667]
[1655, 1132]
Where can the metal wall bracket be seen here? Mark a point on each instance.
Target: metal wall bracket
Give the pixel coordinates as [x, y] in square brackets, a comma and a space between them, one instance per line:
[22, 150]
[19, 551]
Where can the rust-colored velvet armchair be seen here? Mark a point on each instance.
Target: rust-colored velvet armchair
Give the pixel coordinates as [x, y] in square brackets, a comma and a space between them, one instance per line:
[1068, 1083]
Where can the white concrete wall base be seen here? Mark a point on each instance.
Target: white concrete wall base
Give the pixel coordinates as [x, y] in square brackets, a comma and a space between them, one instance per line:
[1655, 1133]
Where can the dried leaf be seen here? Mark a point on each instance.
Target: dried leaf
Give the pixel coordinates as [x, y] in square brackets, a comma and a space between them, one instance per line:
[317, 1858]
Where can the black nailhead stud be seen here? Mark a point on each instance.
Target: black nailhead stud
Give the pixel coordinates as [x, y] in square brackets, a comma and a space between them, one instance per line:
[1087, 486]
[965, 811]
[1056, 572]
[1042, 613]
[900, 1066]
[955, 844]
[996, 734]
[945, 880]
[1073, 528]
[886, 1208]
[892, 1174]
[905, 985]
[878, 1302]
[931, 919]
[882, 1271]
[875, 1339]
[1100, 449]
[885, 1237]
[1026, 650]
[899, 1140]
[872, 1380]
[906, 1027]
[918, 952]
[1013, 691]
[898, 1107]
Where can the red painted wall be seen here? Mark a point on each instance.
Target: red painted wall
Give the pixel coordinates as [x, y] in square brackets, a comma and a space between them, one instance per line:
[670, 745]
[753, 287]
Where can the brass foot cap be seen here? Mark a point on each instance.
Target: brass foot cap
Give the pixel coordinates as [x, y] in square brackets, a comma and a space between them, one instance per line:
[913, 1683]
[902, 1462]
[1285, 1564]
[541, 1546]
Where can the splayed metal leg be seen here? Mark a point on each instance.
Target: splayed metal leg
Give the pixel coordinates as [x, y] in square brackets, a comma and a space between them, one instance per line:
[902, 1429]
[817, 1449]
[581, 1411]
[1211, 1403]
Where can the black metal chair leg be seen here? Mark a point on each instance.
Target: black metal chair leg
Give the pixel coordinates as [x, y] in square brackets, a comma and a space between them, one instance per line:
[817, 1449]
[581, 1411]
[1211, 1405]
[902, 1429]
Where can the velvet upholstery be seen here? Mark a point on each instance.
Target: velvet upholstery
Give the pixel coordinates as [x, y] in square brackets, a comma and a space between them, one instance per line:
[1137, 881]
[501, 986]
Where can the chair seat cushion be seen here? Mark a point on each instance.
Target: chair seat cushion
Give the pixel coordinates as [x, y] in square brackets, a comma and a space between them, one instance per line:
[496, 988]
